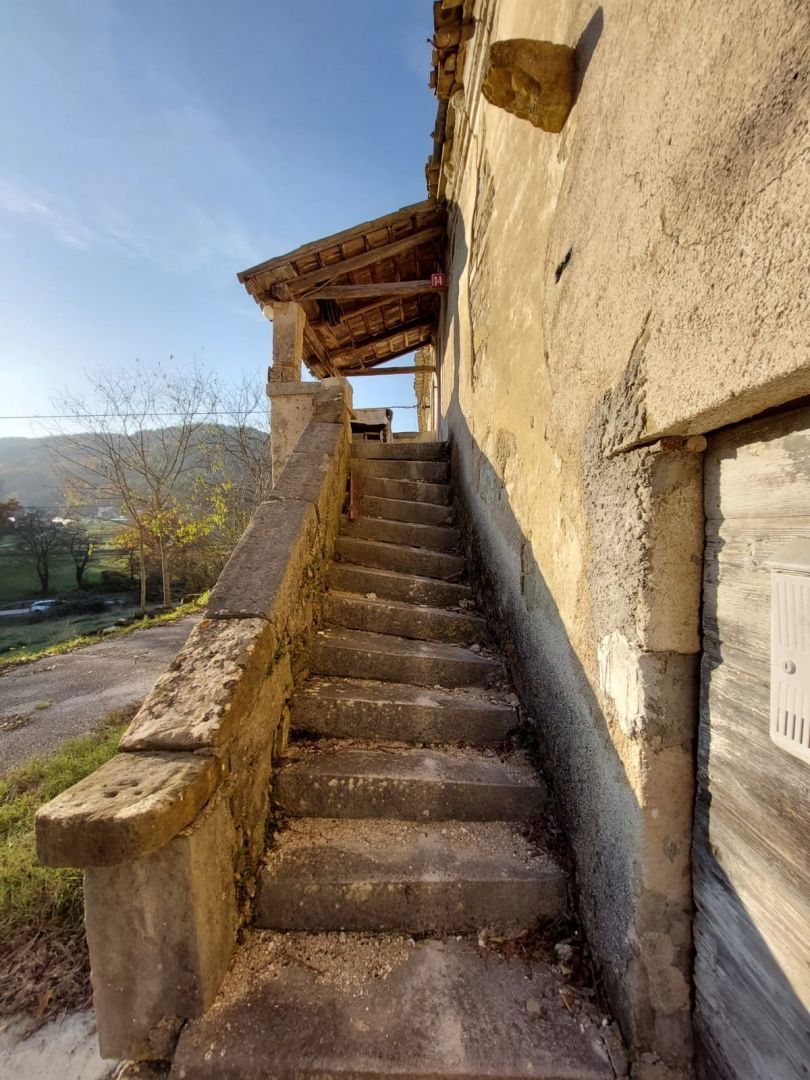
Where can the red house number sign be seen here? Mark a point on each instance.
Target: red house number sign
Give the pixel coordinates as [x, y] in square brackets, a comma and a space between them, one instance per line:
[437, 281]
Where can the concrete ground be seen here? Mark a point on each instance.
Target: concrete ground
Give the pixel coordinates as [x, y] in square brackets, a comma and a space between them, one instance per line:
[65, 1049]
[49, 701]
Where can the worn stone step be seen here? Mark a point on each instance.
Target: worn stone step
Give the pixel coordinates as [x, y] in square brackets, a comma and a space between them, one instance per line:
[401, 451]
[431, 472]
[407, 533]
[410, 490]
[354, 1007]
[405, 510]
[368, 709]
[404, 560]
[354, 654]
[452, 877]
[407, 784]
[356, 612]
[395, 586]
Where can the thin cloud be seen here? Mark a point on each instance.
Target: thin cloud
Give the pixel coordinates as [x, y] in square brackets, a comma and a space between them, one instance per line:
[46, 209]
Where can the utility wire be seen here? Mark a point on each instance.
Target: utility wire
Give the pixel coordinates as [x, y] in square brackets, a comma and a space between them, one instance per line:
[140, 416]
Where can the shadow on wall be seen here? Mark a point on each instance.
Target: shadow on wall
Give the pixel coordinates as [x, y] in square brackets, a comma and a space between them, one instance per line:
[641, 940]
[594, 797]
[586, 47]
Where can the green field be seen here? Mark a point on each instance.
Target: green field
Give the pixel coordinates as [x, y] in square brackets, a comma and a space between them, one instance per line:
[18, 576]
[18, 641]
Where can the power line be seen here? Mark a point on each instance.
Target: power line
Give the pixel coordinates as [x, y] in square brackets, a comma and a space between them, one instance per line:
[162, 415]
[129, 416]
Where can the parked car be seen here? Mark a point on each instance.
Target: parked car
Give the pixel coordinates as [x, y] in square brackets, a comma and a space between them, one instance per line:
[47, 607]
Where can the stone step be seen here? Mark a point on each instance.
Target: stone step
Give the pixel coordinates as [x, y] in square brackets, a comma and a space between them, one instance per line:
[407, 784]
[367, 709]
[407, 533]
[404, 560]
[394, 586]
[401, 451]
[354, 654]
[431, 472]
[405, 510]
[410, 490]
[354, 1007]
[354, 611]
[375, 875]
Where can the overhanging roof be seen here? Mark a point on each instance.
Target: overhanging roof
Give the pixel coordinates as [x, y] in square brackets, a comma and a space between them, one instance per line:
[366, 291]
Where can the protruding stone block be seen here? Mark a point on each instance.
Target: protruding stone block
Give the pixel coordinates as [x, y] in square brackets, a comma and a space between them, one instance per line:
[533, 80]
[129, 807]
[158, 962]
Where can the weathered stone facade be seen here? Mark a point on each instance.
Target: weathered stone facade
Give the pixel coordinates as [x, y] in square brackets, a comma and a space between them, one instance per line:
[616, 288]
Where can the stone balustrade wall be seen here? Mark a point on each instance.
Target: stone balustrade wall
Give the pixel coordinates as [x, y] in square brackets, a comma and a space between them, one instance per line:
[171, 830]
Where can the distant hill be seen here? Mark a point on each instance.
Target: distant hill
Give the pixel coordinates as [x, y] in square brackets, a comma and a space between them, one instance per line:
[28, 467]
[27, 471]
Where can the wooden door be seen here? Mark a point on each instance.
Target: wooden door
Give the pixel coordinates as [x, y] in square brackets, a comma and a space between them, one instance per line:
[752, 822]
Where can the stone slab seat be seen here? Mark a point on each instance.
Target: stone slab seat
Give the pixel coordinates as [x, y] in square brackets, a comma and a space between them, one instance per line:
[368, 709]
[130, 806]
[408, 533]
[410, 490]
[432, 472]
[392, 585]
[382, 875]
[356, 612]
[396, 509]
[437, 1009]
[359, 655]
[407, 784]
[401, 451]
[406, 560]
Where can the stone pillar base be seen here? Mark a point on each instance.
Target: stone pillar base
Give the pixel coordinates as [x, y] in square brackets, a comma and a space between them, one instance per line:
[290, 412]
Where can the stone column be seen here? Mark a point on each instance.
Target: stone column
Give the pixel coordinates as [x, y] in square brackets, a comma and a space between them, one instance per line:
[290, 398]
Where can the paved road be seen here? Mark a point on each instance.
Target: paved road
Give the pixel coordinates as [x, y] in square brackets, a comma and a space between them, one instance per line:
[47, 702]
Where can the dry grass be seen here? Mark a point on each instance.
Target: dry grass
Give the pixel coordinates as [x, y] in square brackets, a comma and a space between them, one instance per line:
[46, 969]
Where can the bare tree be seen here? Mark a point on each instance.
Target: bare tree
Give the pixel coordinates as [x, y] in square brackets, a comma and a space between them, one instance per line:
[80, 547]
[134, 441]
[42, 537]
[237, 450]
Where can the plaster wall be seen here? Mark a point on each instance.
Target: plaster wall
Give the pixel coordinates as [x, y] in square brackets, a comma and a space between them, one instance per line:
[640, 275]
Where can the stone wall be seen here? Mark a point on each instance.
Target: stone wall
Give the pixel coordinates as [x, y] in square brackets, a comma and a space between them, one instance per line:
[614, 289]
[170, 831]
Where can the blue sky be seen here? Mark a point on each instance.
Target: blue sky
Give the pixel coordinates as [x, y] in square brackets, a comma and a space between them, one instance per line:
[150, 149]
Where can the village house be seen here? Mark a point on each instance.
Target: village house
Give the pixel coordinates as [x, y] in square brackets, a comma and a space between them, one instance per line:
[599, 539]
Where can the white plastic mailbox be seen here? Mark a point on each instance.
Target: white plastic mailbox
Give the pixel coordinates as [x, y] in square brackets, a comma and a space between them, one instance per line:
[790, 648]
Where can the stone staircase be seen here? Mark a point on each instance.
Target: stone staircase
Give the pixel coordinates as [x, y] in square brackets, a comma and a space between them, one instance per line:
[403, 865]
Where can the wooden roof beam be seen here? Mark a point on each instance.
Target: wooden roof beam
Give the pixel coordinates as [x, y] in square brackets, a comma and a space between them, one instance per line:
[396, 218]
[382, 289]
[424, 329]
[296, 288]
[353, 373]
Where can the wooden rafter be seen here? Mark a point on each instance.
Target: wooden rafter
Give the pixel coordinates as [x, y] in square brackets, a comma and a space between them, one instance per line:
[423, 329]
[297, 288]
[366, 292]
[398, 217]
[382, 289]
[352, 373]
